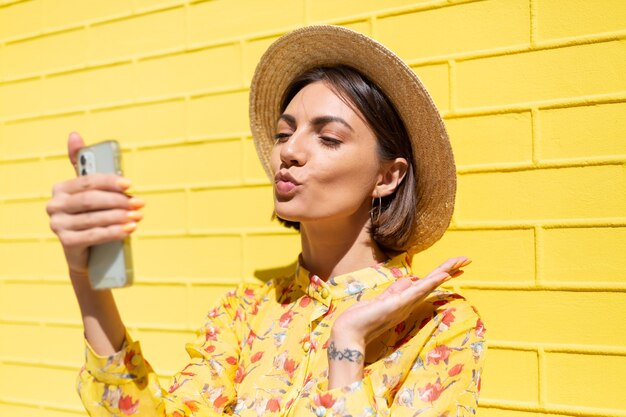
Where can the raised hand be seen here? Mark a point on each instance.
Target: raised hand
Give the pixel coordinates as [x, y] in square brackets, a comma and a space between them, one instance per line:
[88, 210]
[365, 320]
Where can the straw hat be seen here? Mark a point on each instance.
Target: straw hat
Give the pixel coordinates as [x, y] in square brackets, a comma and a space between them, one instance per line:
[325, 46]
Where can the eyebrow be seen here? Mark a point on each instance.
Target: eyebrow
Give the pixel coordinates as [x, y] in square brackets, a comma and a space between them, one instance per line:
[317, 122]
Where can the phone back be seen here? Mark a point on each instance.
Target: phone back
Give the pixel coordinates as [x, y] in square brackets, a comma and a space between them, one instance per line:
[110, 263]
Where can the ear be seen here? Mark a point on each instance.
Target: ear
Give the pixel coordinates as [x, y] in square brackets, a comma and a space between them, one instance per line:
[391, 175]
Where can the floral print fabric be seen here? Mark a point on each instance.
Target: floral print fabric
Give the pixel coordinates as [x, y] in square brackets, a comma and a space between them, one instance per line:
[262, 352]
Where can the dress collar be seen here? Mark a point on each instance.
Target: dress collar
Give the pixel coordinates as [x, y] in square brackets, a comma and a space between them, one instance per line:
[352, 283]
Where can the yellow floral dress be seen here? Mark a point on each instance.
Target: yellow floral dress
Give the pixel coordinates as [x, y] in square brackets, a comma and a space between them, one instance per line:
[262, 352]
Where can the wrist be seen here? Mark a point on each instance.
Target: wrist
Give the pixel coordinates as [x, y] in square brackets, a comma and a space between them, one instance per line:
[346, 357]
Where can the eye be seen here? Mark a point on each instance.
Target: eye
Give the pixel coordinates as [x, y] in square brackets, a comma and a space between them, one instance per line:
[330, 142]
[280, 137]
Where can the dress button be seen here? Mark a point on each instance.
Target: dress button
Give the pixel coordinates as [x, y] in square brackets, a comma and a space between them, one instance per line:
[306, 346]
[325, 292]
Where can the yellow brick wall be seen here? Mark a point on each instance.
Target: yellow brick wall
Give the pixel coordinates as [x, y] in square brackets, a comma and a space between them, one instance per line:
[533, 93]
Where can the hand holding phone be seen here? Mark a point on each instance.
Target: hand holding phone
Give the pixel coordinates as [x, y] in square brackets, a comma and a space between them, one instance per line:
[109, 263]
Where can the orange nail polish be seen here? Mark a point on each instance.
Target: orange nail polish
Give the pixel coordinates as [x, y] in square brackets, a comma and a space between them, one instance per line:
[129, 227]
[136, 203]
[135, 215]
[124, 183]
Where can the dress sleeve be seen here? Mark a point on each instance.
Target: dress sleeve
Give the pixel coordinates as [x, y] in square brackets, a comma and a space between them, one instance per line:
[125, 383]
[439, 376]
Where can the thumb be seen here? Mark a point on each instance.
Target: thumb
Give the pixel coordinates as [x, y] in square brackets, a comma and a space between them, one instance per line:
[74, 144]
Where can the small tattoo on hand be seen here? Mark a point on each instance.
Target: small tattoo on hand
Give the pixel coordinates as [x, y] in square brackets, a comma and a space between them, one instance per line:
[351, 355]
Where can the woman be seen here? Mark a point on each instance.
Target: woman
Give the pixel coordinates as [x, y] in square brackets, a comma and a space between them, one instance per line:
[362, 166]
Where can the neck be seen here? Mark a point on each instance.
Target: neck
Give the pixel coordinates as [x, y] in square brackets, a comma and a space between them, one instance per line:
[330, 249]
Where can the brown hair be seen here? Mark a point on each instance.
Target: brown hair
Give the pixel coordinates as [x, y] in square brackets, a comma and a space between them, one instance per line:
[392, 221]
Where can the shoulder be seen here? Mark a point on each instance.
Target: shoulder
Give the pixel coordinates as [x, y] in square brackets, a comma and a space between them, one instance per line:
[452, 308]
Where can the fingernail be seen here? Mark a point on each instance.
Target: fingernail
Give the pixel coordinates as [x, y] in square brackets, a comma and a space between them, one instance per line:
[129, 227]
[124, 183]
[136, 203]
[414, 278]
[135, 215]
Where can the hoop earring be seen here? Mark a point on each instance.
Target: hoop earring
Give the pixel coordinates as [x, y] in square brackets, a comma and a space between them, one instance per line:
[377, 208]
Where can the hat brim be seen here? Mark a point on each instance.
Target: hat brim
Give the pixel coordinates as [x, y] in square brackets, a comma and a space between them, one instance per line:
[325, 46]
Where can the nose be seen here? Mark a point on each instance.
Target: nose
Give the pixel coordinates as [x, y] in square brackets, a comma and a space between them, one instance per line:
[293, 150]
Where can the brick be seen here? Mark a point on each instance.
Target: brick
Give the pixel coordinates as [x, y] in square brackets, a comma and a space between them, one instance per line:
[227, 20]
[164, 211]
[19, 259]
[52, 260]
[491, 139]
[456, 29]
[530, 77]
[41, 135]
[46, 54]
[183, 73]
[20, 177]
[597, 260]
[73, 12]
[151, 123]
[24, 342]
[90, 87]
[554, 20]
[138, 34]
[490, 252]
[501, 412]
[231, 208]
[151, 4]
[202, 299]
[165, 350]
[20, 97]
[219, 114]
[435, 79]
[20, 341]
[38, 384]
[19, 410]
[362, 26]
[551, 316]
[63, 344]
[196, 163]
[24, 217]
[54, 170]
[160, 304]
[41, 301]
[20, 19]
[511, 375]
[581, 132]
[254, 50]
[602, 377]
[253, 169]
[214, 161]
[271, 256]
[551, 194]
[189, 257]
[332, 10]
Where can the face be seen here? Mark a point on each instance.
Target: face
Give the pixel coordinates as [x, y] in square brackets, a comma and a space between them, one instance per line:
[325, 159]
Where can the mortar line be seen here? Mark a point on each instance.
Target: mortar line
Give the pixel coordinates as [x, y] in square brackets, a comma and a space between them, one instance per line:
[538, 247]
[542, 383]
[533, 23]
[451, 85]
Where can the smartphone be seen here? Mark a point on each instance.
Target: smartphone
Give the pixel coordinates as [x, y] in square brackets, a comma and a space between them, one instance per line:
[110, 263]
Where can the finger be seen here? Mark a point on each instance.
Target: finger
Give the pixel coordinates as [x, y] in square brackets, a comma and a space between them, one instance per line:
[449, 267]
[95, 236]
[94, 200]
[103, 218]
[106, 182]
[74, 144]
[395, 288]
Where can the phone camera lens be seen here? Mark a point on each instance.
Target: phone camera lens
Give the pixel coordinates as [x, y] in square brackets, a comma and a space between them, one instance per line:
[83, 160]
[83, 172]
